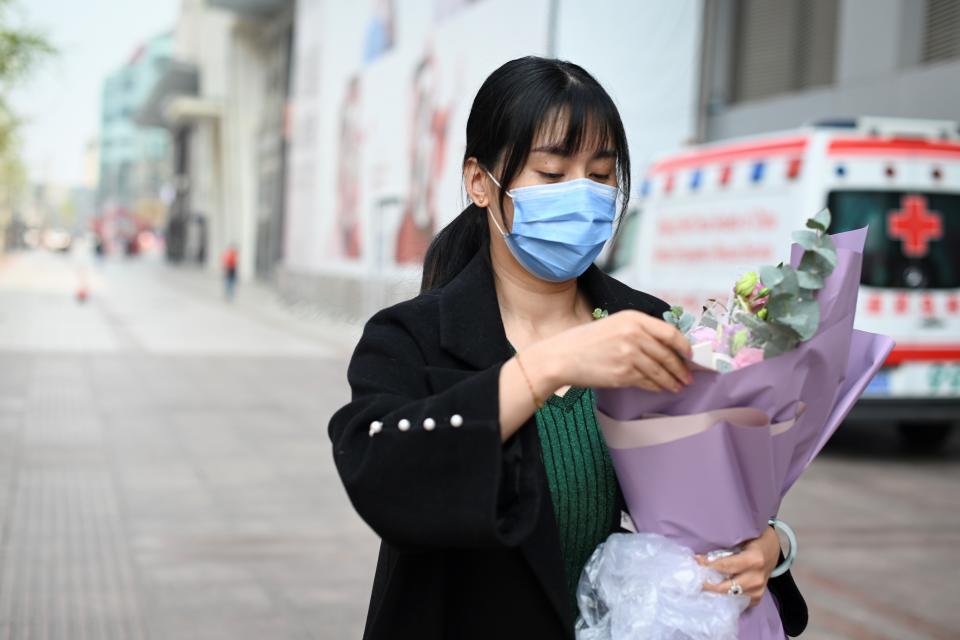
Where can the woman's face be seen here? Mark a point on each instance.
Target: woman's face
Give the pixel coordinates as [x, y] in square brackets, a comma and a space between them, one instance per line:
[546, 163]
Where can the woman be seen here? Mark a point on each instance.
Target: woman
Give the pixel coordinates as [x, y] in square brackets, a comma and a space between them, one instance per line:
[470, 444]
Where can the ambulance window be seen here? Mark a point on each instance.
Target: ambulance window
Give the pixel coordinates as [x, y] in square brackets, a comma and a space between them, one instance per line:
[624, 242]
[913, 239]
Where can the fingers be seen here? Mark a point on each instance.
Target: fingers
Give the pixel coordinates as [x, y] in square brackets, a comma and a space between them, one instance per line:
[746, 568]
[747, 560]
[753, 586]
[670, 336]
[656, 349]
[652, 369]
[668, 359]
[644, 382]
[718, 587]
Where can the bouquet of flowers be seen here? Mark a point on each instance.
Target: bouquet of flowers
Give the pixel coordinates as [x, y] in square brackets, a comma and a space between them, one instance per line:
[777, 369]
[768, 313]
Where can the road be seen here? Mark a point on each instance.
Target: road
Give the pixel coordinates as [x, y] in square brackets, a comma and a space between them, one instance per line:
[165, 473]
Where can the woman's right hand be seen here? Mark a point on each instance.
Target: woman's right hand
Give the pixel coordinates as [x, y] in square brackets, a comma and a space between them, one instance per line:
[625, 349]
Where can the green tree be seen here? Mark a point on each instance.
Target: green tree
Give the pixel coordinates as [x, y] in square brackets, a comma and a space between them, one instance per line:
[21, 51]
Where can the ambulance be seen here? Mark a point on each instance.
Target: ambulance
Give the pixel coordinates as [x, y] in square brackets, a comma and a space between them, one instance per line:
[711, 212]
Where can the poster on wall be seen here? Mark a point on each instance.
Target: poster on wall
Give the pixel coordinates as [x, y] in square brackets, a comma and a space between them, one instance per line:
[394, 84]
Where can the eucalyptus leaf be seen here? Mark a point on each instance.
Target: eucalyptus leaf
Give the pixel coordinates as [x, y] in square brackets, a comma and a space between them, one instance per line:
[801, 315]
[816, 266]
[750, 321]
[821, 221]
[770, 276]
[806, 239]
[789, 283]
[781, 340]
[815, 263]
[809, 279]
[708, 321]
[825, 248]
[773, 348]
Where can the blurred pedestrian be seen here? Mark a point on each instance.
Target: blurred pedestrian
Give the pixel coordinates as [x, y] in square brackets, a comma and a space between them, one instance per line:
[229, 261]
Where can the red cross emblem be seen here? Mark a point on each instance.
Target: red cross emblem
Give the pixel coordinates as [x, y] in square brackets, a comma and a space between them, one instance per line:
[915, 225]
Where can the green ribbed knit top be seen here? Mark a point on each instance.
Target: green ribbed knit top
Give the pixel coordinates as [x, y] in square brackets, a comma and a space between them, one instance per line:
[580, 475]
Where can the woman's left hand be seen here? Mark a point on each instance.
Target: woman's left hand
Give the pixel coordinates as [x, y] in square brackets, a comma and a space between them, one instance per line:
[751, 568]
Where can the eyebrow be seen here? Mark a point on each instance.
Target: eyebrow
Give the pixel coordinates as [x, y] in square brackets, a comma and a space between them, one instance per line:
[560, 150]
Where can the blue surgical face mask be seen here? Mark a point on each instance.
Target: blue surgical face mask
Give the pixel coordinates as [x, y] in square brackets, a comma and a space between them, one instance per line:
[559, 228]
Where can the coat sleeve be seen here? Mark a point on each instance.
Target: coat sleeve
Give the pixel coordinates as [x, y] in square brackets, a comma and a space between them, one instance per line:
[455, 485]
[790, 603]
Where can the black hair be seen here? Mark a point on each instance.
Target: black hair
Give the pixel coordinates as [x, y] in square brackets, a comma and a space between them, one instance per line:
[516, 102]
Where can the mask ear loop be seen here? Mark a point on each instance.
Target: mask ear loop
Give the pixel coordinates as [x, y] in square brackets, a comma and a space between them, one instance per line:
[492, 217]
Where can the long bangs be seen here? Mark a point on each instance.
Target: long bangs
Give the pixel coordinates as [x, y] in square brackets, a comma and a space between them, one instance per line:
[567, 109]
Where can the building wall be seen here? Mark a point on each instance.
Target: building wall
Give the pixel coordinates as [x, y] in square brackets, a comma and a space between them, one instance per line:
[647, 56]
[382, 91]
[132, 159]
[232, 53]
[878, 71]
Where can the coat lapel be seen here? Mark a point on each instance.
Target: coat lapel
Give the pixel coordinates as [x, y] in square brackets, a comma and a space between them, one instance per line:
[470, 324]
[471, 329]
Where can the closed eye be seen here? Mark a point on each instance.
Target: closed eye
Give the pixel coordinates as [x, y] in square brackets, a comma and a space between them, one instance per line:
[550, 176]
[601, 176]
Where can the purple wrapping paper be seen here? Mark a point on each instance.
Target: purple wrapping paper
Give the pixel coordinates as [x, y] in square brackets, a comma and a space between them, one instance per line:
[717, 487]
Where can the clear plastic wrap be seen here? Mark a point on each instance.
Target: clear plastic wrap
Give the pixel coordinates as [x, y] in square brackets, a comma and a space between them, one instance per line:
[644, 586]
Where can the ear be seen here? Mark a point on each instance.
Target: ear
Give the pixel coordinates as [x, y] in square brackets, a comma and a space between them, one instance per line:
[475, 180]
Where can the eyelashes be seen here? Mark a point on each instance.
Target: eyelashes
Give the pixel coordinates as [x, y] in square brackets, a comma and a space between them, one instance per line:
[557, 176]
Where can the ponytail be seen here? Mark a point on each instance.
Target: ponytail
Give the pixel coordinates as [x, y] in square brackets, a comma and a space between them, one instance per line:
[454, 246]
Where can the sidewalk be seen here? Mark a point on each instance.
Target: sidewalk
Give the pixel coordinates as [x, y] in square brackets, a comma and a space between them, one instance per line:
[261, 300]
[165, 471]
[147, 304]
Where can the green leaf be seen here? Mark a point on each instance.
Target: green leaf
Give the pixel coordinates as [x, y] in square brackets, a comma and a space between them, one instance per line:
[813, 271]
[825, 247]
[789, 284]
[770, 276]
[810, 279]
[821, 221]
[806, 239]
[798, 313]
[781, 340]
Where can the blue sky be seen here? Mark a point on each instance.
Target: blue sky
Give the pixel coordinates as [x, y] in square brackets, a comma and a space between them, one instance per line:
[62, 101]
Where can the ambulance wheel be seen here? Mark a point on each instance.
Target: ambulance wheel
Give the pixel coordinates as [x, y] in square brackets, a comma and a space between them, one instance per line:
[924, 437]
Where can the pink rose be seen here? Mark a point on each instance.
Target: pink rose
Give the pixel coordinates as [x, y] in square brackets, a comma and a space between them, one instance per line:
[703, 334]
[747, 356]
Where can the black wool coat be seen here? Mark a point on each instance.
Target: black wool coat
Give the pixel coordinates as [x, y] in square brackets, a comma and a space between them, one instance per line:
[469, 543]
